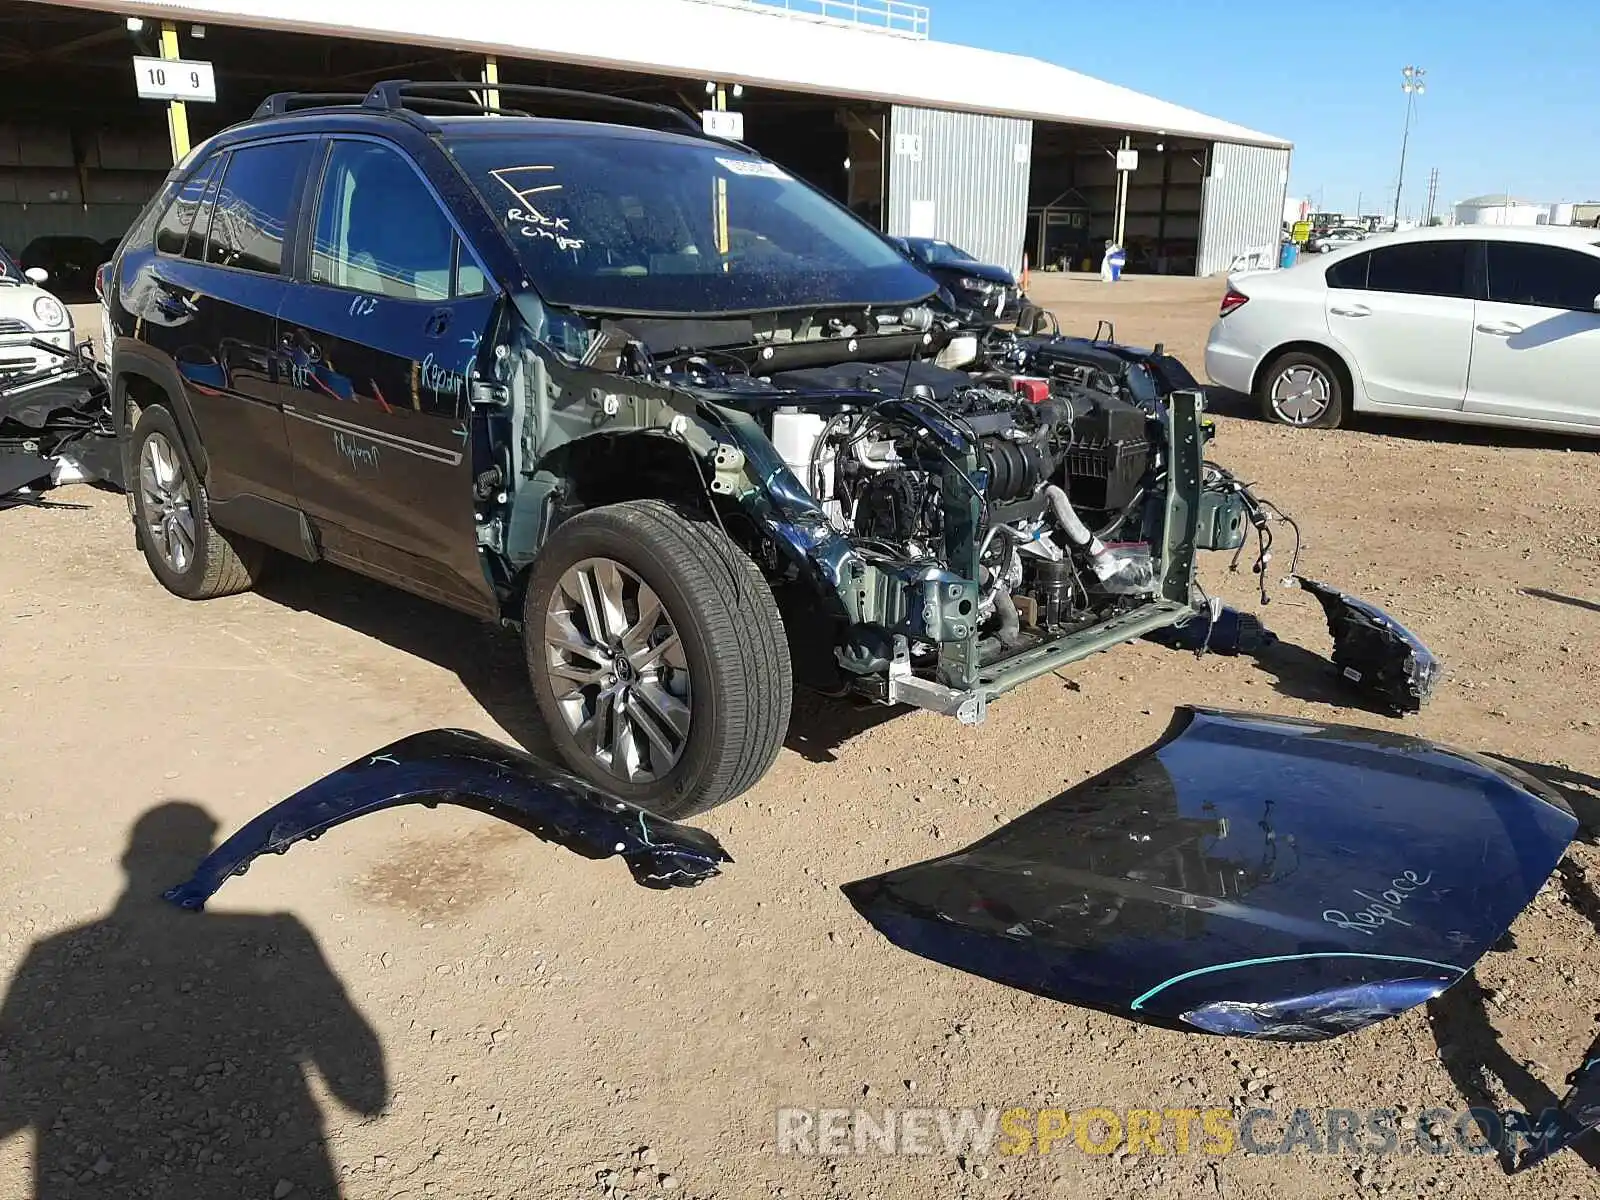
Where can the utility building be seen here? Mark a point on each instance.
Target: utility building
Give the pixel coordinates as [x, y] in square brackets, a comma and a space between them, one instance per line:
[1005, 155]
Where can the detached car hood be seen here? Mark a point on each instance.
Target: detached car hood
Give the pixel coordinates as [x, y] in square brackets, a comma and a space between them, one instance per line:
[1248, 875]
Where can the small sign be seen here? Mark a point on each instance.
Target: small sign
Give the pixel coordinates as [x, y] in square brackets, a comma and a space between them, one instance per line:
[908, 145]
[174, 79]
[1022, 153]
[1127, 160]
[726, 125]
[1301, 233]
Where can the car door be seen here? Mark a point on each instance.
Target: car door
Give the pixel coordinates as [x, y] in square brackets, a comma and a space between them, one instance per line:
[1536, 334]
[1404, 312]
[209, 301]
[379, 346]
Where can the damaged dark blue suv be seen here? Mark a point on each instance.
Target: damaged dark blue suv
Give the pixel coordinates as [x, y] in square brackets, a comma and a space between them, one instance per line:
[681, 418]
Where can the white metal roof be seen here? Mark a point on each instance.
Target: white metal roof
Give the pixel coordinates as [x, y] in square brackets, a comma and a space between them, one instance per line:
[735, 45]
[1494, 200]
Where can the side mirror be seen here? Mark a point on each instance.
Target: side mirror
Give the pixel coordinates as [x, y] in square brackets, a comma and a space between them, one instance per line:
[36, 274]
[1597, 304]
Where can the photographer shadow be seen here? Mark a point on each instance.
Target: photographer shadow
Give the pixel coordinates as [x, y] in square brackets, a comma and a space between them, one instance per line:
[155, 1052]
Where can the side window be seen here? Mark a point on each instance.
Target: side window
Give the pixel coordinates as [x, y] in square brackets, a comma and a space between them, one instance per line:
[1350, 274]
[172, 233]
[1430, 268]
[250, 218]
[379, 229]
[1543, 276]
[470, 279]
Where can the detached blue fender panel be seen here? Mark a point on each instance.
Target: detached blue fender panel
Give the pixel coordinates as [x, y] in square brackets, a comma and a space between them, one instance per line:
[1249, 875]
[455, 766]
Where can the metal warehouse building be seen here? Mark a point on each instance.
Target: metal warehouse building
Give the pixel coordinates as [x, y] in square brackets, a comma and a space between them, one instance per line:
[1007, 156]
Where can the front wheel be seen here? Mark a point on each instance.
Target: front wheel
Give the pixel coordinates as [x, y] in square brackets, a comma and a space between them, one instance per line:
[1302, 390]
[657, 657]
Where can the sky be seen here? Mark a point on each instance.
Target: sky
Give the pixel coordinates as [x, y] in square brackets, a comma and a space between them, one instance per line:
[1512, 101]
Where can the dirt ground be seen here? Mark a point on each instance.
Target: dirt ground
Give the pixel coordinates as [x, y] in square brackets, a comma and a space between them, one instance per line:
[428, 1003]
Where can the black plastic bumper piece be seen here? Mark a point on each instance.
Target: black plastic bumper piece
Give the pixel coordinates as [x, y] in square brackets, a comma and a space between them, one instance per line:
[1375, 652]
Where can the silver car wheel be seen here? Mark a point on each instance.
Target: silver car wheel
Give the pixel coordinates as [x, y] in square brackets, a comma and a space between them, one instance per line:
[168, 502]
[618, 670]
[1301, 395]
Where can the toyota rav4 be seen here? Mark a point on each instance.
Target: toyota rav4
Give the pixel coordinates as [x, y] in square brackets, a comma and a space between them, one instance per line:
[683, 420]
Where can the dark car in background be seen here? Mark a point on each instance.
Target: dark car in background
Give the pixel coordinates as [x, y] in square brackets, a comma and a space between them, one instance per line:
[71, 262]
[983, 290]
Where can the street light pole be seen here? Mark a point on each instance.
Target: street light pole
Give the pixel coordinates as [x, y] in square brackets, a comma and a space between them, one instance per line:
[1413, 86]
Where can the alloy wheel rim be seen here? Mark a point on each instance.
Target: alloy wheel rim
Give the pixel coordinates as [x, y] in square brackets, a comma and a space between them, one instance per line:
[618, 670]
[168, 502]
[1300, 395]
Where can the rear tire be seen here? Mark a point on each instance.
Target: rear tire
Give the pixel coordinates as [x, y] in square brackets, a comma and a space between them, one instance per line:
[172, 520]
[677, 712]
[1302, 390]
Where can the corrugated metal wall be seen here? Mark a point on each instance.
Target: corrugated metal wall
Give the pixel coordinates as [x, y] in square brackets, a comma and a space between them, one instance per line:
[961, 177]
[1243, 206]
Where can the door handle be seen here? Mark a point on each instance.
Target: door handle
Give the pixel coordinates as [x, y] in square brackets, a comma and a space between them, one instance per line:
[1499, 328]
[1350, 310]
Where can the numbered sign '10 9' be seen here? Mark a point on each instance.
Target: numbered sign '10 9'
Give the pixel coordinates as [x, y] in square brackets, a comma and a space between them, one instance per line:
[174, 79]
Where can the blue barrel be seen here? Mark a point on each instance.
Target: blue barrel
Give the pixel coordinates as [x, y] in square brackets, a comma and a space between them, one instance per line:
[1289, 256]
[1118, 259]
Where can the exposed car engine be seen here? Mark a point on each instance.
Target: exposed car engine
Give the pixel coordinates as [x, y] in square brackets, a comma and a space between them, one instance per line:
[1064, 456]
[991, 492]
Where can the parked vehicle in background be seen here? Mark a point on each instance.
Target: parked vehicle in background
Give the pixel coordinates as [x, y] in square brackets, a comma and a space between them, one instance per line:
[984, 290]
[1335, 239]
[1495, 325]
[71, 262]
[27, 312]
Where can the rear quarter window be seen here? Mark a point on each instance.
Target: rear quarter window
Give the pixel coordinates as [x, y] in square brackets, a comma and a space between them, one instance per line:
[1350, 273]
[177, 223]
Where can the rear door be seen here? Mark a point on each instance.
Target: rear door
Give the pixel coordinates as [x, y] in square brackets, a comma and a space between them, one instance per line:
[378, 348]
[1405, 313]
[212, 295]
[1536, 337]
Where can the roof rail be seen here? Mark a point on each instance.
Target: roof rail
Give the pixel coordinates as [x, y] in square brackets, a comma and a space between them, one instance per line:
[392, 94]
[279, 103]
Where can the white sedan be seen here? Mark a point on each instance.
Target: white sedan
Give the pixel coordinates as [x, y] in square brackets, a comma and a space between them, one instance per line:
[1492, 325]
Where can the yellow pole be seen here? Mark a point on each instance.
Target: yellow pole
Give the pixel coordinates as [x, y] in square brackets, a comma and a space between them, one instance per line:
[721, 105]
[491, 76]
[177, 111]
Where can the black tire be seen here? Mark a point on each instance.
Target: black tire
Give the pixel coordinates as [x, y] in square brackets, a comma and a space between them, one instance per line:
[1329, 375]
[741, 682]
[220, 563]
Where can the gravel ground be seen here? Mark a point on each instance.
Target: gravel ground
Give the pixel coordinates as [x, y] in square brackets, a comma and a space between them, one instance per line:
[433, 1004]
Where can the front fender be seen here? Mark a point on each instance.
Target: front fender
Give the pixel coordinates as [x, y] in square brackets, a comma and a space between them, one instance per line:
[455, 766]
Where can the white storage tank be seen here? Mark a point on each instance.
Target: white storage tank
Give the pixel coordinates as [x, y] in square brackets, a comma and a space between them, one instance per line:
[1500, 209]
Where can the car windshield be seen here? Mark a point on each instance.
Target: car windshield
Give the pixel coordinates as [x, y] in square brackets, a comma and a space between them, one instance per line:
[10, 272]
[632, 224]
[941, 253]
